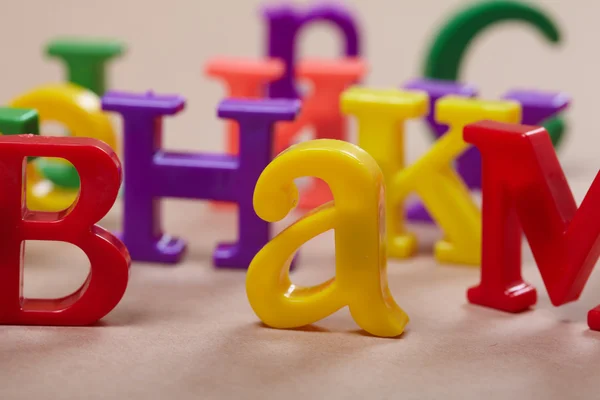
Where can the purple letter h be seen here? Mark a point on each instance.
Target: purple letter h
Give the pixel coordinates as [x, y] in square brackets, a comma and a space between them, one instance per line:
[151, 173]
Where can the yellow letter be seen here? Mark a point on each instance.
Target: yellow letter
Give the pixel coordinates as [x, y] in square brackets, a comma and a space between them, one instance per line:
[80, 111]
[357, 216]
[381, 115]
[432, 177]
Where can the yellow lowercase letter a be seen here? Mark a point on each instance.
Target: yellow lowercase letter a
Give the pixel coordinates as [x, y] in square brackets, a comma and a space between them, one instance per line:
[357, 215]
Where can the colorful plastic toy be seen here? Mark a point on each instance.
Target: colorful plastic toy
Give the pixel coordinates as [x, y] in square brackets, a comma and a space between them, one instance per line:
[17, 121]
[447, 51]
[100, 173]
[79, 110]
[85, 61]
[321, 112]
[245, 79]
[381, 115]
[284, 25]
[536, 107]
[320, 108]
[152, 173]
[357, 216]
[436, 89]
[524, 186]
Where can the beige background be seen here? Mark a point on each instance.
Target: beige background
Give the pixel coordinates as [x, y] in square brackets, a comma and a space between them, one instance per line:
[187, 331]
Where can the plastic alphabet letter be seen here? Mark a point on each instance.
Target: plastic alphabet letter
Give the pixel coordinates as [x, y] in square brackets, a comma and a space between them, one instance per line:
[321, 111]
[435, 89]
[79, 110]
[357, 217]
[17, 121]
[381, 115]
[152, 173]
[105, 285]
[86, 60]
[285, 22]
[447, 52]
[446, 197]
[536, 108]
[245, 79]
[524, 186]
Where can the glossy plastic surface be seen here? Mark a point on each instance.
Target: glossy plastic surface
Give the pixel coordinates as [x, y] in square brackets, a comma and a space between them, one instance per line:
[435, 89]
[537, 107]
[245, 79]
[321, 112]
[449, 47]
[357, 215]
[86, 60]
[79, 110]
[381, 115]
[453, 39]
[105, 285]
[16, 121]
[19, 121]
[152, 173]
[525, 187]
[284, 26]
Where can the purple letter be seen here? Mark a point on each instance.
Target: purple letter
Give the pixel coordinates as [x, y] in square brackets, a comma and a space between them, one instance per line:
[151, 173]
[284, 25]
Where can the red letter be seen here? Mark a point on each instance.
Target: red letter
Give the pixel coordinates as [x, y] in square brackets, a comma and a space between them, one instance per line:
[524, 185]
[100, 174]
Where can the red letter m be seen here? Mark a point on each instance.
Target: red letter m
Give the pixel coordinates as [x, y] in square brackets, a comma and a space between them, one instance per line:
[525, 188]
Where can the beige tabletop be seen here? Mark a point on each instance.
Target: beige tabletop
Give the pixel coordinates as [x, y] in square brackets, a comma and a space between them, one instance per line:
[188, 332]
